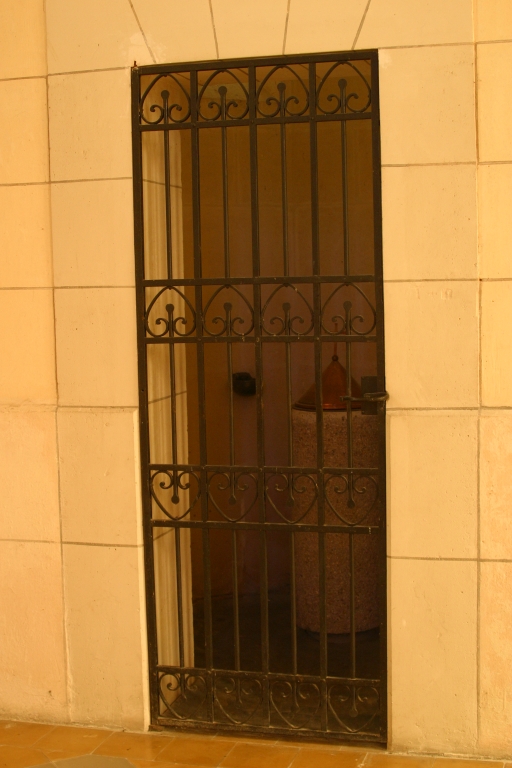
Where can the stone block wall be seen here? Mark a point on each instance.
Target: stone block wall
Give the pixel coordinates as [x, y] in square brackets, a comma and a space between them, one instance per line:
[72, 614]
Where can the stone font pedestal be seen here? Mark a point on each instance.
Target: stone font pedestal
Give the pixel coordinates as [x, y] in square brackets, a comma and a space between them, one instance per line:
[338, 511]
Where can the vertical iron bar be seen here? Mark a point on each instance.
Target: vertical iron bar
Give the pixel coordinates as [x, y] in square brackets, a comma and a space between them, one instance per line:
[255, 245]
[253, 143]
[265, 654]
[179, 590]
[227, 307]
[289, 398]
[172, 377]
[225, 197]
[350, 462]
[286, 306]
[231, 403]
[284, 183]
[317, 306]
[379, 305]
[344, 177]
[293, 601]
[289, 415]
[196, 214]
[149, 555]
[352, 606]
[167, 176]
[236, 612]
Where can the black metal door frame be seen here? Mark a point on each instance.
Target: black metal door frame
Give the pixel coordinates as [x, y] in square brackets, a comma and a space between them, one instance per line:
[361, 692]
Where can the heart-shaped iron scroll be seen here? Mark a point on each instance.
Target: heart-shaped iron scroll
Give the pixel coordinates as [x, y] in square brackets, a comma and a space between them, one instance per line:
[296, 702]
[168, 310]
[233, 490]
[356, 102]
[172, 480]
[351, 497]
[238, 699]
[182, 693]
[285, 103]
[164, 111]
[287, 323]
[214, 101]
[293, 486]
[354, 707]
[345, 322]
[229, 325]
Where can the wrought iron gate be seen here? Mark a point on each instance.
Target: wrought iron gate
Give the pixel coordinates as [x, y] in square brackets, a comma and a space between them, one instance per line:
[259, 269]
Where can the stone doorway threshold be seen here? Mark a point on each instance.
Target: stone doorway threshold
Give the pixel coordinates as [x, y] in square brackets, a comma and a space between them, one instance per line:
[38, 745]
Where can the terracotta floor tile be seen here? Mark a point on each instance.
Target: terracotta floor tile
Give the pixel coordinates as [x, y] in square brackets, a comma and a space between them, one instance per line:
[331, 746]
[68, 738]
[22, 734]
[260, 756]
[145, 763]
[299, 742]
[249, 738]
[20, 757]
[328, 758]
[93, 761]
[157, 764]
[151, 764]
[138, 745]
[197, 750]
[375, 760]
[61, 754]
[449, 762]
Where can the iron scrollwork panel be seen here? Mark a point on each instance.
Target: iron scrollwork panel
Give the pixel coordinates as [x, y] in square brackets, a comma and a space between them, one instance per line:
[232, 494]
[292, 497]
[244, 699]
[169, 313]
[348, 310]
[287, 311]
[183, 694]
[156, 107]
[352, 498]
[332, 100]
[175, 492]
[354, 708]
[228, 311]
[296, 702]
[239, 699]
[281, 91]
[227, 99]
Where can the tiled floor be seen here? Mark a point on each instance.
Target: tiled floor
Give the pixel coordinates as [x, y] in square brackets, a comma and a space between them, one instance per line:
[33, 744]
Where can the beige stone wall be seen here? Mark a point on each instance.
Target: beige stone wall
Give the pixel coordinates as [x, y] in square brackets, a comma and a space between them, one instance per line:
[71, 603]
[493, 35]
[32, 661]
[432, 371]
[73, 614]
[92, 223]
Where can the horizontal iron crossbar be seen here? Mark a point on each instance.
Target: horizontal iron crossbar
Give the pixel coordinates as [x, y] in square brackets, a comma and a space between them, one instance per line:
[268, 470]
[285, 338]
[257, 61]
[203, 124]
[261, 280]
[269, 675]
[245, 526]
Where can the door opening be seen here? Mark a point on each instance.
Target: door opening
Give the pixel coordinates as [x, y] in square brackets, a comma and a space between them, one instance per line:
[261, 360]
